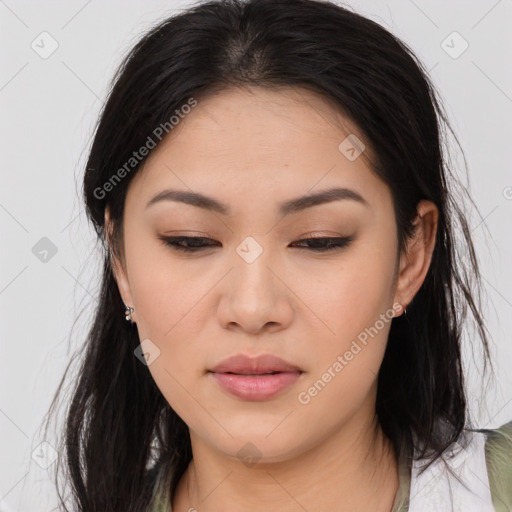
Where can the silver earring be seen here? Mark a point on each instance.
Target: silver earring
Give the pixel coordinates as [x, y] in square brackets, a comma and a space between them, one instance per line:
[405, 311]
[128, 313]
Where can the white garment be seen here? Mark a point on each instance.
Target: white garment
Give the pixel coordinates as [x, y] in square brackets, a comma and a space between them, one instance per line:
[437, 490]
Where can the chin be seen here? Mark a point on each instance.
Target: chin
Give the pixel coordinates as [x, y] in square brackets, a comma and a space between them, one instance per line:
[252, 446]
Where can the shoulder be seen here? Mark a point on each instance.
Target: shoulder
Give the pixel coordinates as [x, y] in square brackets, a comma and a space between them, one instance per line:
[475, 474]
[498, 455]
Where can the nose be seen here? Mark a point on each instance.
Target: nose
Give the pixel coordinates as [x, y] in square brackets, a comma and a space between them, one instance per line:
[255, 297]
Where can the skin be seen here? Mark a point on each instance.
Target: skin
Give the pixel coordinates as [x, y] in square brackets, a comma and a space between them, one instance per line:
[304, 306]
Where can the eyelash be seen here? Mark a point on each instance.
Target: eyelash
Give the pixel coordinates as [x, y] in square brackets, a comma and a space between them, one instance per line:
[332, 243]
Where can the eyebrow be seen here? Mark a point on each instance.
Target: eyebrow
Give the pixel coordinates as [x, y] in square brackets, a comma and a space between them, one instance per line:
[285, 208]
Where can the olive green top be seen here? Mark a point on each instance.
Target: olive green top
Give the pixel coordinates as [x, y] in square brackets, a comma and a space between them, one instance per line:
[491, 452]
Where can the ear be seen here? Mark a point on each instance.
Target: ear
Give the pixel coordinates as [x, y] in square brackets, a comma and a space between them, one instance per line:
[118, 266]
[415, 260]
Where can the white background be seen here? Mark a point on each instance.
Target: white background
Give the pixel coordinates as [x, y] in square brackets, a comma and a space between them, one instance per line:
[48, 108]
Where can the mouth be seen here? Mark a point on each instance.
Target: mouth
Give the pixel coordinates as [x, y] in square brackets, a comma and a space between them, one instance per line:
[255, 377]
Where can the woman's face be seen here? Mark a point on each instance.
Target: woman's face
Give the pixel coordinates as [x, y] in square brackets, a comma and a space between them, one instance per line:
[255, 288]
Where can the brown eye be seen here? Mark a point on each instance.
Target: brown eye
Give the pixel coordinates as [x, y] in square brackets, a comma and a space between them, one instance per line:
[187, 243]
[324, 244]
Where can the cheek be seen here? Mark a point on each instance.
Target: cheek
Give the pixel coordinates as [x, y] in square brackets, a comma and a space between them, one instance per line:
[169, 311]
[354, 301]
[163, 294]
[352, 294]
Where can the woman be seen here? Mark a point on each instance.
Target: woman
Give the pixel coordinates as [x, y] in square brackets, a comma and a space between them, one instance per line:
[283, 297]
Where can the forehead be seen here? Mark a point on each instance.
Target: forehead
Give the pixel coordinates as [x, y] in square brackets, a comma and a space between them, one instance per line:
[256, 144]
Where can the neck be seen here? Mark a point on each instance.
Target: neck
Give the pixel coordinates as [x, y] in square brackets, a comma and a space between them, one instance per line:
[355, 469]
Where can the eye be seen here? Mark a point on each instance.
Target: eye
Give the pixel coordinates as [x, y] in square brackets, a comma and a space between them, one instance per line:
[187, 243]
[195, 244]
[324, 244]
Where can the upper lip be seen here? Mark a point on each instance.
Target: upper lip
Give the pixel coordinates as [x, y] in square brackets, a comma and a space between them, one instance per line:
[244, 364]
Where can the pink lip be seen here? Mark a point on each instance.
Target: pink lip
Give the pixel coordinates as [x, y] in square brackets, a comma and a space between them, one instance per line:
[250, 378]
[255, 387]
[264, 363]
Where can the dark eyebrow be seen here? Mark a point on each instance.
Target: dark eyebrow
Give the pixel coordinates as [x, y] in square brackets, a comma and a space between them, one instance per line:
[285, 208]
[322, 197]
[192, 198]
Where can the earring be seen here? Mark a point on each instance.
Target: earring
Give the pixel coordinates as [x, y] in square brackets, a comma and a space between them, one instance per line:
[405, 311]
[128, 313]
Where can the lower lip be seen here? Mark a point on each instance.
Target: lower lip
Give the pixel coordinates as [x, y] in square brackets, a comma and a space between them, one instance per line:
[256, 387]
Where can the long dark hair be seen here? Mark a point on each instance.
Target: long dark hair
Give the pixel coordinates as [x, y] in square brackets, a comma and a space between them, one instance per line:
[118, 422]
